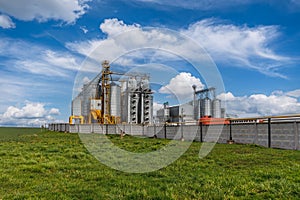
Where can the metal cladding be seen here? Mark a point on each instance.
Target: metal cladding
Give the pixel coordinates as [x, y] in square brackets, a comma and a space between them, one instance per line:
[133, 103]
[183, 113]
[216, 108]
[206, 107]
[198, 108]
[81, 104]
[137, 101]
[115, 99]
[76, 106]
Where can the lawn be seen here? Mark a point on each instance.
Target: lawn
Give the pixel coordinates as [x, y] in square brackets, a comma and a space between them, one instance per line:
[51, 165]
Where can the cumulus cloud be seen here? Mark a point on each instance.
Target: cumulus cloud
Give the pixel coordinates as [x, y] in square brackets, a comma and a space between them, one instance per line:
[237, 46]
[6, 22]
[294, 93]
[278, 103]
[241, 46]
[54, 111]
[31, 114]
[67, 11]
[181, 86]
[114, 26]
[117, 44]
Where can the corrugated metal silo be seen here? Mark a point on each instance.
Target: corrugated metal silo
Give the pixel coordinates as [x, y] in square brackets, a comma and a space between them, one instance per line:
[206, 107]
[115, 99]
[216, 108]
[76, 106]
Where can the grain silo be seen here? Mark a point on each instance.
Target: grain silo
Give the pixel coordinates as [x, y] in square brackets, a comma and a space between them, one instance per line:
[216, 108]
[206, 108]
[115, 100]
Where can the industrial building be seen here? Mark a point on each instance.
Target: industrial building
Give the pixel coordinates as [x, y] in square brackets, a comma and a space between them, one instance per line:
[205, 105]
[112, 98]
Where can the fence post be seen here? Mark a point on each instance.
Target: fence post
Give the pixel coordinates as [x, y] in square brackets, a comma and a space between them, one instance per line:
[269, 133]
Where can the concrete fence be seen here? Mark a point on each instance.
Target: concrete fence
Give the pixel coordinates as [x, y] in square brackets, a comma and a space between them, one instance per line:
[285, 134]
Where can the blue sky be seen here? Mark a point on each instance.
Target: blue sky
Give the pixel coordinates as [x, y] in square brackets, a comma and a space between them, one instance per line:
[46, 46]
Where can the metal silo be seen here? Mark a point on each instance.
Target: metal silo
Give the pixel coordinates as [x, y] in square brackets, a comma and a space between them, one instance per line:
[216, 108]
[76, 106]
[115, 99]
[206, 107]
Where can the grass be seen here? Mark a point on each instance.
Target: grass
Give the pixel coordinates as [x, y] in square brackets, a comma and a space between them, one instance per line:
[50, 165]
[11, 133]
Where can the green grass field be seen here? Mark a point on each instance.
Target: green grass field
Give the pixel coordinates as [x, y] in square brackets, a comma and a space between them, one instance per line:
[50, 165]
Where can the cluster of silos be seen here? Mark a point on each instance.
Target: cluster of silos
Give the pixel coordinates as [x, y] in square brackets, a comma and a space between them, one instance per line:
[205, 106]
[132, 101]
[137, 101]
[208, 107]
[82, 104]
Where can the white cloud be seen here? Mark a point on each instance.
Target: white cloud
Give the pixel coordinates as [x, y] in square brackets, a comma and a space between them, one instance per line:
[294, 93]
[240, 46]
[54, 111]
[84, 29]
[278, 103]
[35, 59]
[31, 114]
[114, 26]
[116, 44]
[67, 11]
[6, 22]
[181, 86]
